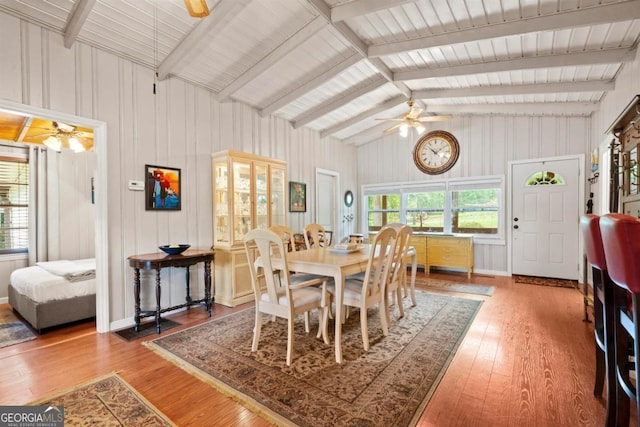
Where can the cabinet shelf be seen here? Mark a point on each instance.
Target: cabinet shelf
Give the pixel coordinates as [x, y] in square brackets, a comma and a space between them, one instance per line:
[249, 192]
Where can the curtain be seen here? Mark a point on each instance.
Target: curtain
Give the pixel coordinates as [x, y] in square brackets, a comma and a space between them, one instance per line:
[37, 204]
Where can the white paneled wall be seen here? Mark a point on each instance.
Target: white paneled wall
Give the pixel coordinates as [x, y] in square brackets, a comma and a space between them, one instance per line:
[487, 145]
[179, 126]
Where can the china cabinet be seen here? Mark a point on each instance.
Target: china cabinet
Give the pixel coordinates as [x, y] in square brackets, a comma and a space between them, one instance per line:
[248, 193]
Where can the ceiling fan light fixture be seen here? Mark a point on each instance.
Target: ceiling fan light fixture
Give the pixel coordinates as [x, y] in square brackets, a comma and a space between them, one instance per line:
[404, 130]
[197, 8]
[420, 129]
[54, 143]
[75, 145]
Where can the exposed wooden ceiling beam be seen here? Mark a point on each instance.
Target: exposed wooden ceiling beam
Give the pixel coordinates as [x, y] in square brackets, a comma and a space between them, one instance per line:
[588, 16]
[76, 20]
[394, 102]
[220, 17]
[306, 32]
[609, 56]
[528, 108]
[358, 44]
[278, 102]
[355, 8]
[336, 102]
[498, 90]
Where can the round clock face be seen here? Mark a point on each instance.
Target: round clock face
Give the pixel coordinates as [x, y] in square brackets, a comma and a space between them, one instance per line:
[436, 152]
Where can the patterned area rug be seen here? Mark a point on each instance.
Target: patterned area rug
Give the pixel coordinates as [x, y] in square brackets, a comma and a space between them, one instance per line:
[546, 281]
[388, 385]
[106, 401]
[13, 330]
[446, 285]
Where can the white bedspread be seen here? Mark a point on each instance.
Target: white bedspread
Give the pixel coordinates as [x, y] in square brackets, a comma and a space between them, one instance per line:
[41, 285]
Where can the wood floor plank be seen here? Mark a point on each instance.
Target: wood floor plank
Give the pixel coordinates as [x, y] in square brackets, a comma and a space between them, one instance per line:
[527, 360]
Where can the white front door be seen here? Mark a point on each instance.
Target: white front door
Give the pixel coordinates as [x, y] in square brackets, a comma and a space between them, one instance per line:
[326, 200]
[545, 210]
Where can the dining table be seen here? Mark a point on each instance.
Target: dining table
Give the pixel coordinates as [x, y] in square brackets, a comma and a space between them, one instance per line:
[332, 262]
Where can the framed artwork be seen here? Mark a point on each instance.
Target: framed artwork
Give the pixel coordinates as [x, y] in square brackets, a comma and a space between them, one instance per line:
[297, 197]
[162, 188]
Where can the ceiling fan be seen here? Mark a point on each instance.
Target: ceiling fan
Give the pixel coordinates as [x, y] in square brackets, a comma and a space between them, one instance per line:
[413, 119]
[60, 135]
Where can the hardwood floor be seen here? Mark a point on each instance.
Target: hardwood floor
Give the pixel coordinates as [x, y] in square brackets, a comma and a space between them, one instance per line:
[527, 360]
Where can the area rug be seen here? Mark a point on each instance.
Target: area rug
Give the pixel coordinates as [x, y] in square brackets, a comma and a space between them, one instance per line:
[545, 281]
[146, 329]
[446, 285]
[106, 401]
[13, 330]
[388, 385]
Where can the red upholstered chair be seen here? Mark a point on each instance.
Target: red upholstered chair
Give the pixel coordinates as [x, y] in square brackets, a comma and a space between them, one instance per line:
[621, 241]
[602, 313]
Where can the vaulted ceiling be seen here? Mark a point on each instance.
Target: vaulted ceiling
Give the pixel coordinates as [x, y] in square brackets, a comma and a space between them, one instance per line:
[336, 65]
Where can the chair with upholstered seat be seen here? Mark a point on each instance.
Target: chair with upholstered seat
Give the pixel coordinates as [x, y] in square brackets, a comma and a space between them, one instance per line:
[602, 313]
[286, 235]
[314, 234]
[287, 299]
[621, 242]
[366, 293]
[398, 275]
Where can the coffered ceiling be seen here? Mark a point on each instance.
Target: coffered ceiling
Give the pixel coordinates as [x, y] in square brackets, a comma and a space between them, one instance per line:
[335, 65]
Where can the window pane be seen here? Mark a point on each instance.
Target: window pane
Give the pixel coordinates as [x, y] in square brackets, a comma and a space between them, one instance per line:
[382, 209]
[475, 211]
[14, 203]
[425, 211]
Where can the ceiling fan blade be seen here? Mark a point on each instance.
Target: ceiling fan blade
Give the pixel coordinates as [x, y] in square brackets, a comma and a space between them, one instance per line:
[392, 128]
[434, 118]
[392, 120]
[84, 134]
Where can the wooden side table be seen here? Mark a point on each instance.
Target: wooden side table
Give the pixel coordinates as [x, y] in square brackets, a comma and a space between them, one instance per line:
[159, 260]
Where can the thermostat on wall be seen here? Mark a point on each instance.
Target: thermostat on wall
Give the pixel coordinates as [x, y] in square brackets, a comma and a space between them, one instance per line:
[136, 185]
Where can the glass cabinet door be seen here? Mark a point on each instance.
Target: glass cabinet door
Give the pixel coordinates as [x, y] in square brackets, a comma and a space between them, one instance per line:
[241, 199]
[278, 196]
[262, 196]
[221, 202]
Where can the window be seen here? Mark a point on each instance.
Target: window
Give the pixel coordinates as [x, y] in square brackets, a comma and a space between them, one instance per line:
[469, 205]
[14, 205]
[382, 209]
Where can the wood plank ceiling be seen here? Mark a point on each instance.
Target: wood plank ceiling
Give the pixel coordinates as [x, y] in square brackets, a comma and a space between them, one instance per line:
[337, 65]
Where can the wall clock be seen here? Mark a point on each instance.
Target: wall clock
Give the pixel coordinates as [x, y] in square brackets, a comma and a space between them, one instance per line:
[436, 152]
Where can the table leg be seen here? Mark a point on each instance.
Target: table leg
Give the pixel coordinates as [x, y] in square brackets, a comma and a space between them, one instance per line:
[158, 292]
[339, 281]
[136, 297]
[414, 267]
[188, 284]
[207, 287]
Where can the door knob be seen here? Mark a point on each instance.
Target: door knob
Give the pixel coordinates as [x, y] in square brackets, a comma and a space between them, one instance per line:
[516, 227]
[515, 219]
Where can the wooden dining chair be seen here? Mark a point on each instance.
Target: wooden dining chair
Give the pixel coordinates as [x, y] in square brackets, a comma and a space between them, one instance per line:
[314, 234]
[287, 299]
[370, 291]
[398, 275]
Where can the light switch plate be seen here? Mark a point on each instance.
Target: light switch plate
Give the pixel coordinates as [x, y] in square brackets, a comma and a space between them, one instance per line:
[136, 185]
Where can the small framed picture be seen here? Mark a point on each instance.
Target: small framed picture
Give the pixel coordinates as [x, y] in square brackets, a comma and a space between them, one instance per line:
[297, 197]
[162, 188]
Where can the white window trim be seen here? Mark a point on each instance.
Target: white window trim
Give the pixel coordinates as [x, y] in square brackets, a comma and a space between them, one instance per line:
[446, 185]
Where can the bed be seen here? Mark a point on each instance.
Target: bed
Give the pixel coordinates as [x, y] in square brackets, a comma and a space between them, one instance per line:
[54, 293]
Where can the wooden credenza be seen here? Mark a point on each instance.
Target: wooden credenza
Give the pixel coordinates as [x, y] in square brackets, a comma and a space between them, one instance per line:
[453, 251]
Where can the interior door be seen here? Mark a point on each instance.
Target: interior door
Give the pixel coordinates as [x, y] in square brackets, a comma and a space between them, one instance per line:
[545, 208]
[326, 200]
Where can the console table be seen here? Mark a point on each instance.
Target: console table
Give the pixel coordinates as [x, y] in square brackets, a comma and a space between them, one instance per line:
[160, 260]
